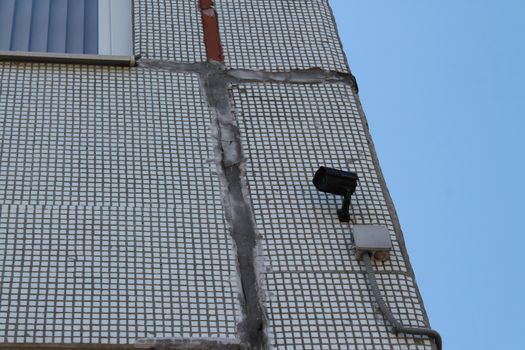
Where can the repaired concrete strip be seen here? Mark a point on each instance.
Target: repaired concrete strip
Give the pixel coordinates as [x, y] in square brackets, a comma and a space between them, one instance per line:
[297, 76]
[232, 76]
[144, 344]
[188, 344]
[239, 213]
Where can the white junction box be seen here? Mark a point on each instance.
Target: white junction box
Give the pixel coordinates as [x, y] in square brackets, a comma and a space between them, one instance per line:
[373, 239]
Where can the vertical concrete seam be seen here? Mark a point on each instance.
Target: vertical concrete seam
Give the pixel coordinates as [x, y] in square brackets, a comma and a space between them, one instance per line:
[238, 210]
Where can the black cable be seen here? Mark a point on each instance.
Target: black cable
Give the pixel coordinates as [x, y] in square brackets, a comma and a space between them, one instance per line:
[396, 326]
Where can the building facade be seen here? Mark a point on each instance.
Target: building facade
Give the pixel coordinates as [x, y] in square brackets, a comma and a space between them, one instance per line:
[169, 203]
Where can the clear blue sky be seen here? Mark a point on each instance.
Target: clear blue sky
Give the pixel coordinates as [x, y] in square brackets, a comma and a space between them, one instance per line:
[442, 84]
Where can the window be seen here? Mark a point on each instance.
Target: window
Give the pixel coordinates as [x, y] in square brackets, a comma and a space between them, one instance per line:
[94, 27]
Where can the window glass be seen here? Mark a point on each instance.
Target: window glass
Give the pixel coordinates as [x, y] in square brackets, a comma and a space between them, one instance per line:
[66, 26]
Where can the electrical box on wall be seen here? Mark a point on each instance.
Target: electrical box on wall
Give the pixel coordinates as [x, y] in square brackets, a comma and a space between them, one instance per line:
[372, 239]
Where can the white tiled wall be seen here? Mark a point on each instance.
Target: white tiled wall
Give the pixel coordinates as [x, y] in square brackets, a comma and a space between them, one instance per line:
[111, 224]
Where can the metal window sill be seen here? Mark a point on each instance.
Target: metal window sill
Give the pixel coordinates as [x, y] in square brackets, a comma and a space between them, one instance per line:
[51, 57]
